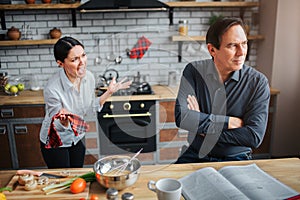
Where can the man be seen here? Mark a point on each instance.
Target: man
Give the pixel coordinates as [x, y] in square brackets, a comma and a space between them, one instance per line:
[222, 102]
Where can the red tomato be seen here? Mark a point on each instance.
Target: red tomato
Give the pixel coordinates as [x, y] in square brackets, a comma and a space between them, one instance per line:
[94, 197]
[78, 186]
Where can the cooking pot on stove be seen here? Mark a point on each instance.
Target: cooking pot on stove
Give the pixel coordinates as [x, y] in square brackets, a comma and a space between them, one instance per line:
[107, 76]
[143, 88]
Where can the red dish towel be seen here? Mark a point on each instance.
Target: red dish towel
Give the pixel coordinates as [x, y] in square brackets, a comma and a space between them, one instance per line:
[78, 125]
[140, 48]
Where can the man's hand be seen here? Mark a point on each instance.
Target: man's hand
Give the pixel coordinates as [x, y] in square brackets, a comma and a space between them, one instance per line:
[235, 122]
[193, 103]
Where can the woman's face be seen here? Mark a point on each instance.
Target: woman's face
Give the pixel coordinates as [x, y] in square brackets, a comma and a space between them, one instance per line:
[75, 64]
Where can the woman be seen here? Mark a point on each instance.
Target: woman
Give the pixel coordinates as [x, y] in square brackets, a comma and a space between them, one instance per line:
[70, 92]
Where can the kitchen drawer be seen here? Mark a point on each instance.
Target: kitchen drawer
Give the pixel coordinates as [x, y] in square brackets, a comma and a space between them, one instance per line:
[173, 134]
[166, 111]
[28, 145]
[32, 111]
[5, 161]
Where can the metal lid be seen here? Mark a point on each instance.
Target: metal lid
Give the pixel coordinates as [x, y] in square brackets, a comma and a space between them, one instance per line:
[127, 196]
[183, 21]
[111, 192]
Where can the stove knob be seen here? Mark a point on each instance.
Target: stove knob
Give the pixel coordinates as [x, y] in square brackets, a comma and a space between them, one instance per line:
[111, 106]
[142, 105]
[127, 106]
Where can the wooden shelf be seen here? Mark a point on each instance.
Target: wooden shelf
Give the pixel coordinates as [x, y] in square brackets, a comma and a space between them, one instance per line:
[44, 6]
[27, 42]
[193, 4]
[180, 39]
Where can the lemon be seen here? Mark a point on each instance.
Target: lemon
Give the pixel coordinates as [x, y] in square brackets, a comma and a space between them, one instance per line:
[13, 89]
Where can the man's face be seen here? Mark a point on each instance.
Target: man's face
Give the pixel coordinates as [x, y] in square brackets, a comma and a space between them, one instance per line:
[233, 50]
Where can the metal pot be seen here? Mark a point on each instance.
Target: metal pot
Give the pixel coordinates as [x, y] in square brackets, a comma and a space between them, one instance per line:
[108, 176]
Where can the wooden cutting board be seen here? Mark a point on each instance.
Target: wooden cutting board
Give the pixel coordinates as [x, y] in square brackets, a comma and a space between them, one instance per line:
[38, 193]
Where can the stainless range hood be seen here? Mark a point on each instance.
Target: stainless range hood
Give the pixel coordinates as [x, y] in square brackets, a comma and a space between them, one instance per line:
[122, 5]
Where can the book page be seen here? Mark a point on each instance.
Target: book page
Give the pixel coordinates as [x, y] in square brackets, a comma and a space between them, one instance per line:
[255, 183]
[207, 184]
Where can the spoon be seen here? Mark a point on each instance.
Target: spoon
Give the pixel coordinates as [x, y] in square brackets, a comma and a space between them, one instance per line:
[118, 59]
[98, 59]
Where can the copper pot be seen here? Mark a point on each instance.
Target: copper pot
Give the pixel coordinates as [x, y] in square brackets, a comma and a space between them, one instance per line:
[13, 33]
[55, 33]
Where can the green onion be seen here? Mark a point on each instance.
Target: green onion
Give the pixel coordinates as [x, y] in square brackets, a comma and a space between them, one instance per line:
[88, 177]
[5, 189]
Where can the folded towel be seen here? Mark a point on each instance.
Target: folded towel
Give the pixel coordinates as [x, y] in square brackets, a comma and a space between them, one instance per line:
[78, 125]
[140, 48]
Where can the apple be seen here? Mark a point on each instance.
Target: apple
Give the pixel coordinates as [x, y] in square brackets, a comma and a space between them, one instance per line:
[21, 86]
[13, 89]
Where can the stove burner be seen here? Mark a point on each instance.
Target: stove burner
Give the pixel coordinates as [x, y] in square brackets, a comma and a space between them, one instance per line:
[135, 89]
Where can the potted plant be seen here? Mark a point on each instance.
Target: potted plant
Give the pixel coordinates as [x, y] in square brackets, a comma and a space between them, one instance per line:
[214, 18]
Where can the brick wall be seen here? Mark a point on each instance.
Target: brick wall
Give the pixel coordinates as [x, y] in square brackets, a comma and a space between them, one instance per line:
[124, 28]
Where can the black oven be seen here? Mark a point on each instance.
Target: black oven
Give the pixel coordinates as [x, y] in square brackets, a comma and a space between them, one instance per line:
[127, 126]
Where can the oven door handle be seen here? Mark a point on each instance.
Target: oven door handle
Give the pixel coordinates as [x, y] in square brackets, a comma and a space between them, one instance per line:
[147, 114]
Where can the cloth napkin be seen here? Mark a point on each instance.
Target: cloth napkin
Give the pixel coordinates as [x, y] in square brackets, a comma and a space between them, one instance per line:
[78, 125]
[140, 48]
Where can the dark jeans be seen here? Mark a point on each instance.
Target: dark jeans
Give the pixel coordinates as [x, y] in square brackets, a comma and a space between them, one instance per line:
[64, 157]
[190, 156]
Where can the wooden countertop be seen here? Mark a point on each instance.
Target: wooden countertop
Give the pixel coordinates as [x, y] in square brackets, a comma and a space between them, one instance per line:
[286, 170]
[161, 93]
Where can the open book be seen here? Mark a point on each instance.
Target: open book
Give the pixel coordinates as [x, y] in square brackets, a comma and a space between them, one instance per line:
[235, 183]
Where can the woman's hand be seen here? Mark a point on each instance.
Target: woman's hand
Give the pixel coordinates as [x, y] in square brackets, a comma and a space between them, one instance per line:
[114, 86]
[64, 119]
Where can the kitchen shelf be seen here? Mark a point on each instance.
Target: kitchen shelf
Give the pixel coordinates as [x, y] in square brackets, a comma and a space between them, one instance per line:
[44, 6]
[27, 42]
[180, 39]
[193, 4]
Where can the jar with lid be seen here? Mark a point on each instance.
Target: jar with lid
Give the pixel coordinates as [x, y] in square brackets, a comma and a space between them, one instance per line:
[112, 194]
[183, 27]
[127, 196]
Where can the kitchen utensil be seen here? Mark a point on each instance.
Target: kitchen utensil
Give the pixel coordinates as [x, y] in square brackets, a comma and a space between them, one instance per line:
[125, 165]
[111, 57]
[119, 58]
[38, 173]
[109, 74]
[121, 181]
[98, 59]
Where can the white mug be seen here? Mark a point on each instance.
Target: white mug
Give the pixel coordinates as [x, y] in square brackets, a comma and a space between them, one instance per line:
[166, 188]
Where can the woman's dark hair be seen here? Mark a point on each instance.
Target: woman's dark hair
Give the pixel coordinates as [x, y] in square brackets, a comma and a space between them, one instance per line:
[63, 46]
[217, 29]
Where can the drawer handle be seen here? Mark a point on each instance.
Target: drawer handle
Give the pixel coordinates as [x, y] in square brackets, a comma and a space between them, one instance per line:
[147, 114]
[21, 130]
[5, 113]
[2, 130]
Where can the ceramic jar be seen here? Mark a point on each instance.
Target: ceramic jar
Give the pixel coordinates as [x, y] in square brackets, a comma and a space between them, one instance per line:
[55, 33]
[13, 33]
[30, 1]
